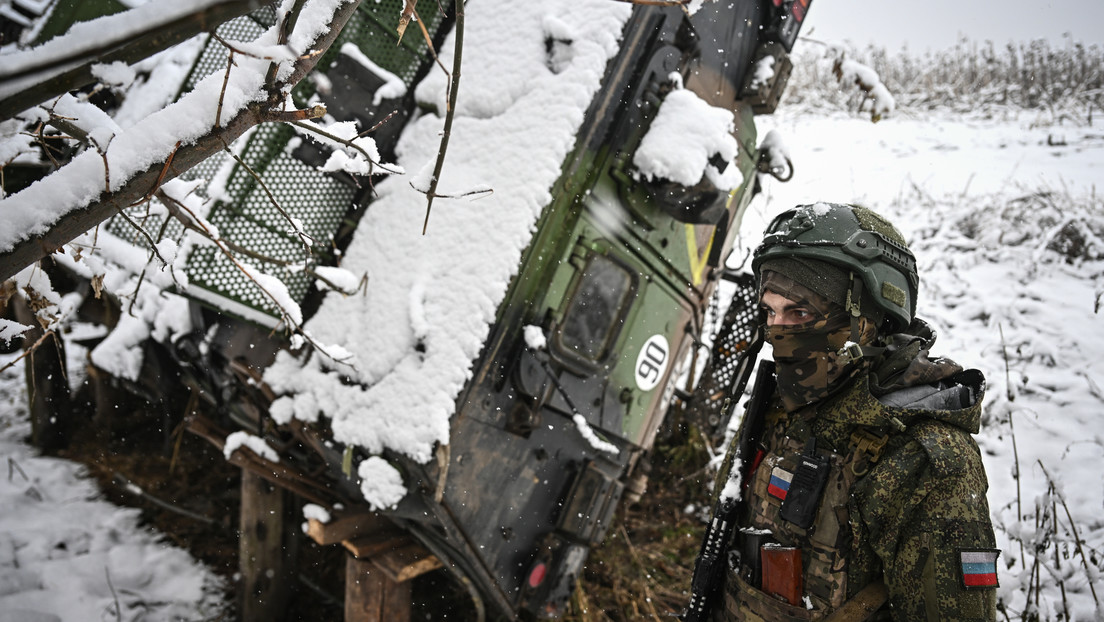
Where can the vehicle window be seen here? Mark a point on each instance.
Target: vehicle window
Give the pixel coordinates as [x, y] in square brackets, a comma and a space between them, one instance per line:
[596, 309]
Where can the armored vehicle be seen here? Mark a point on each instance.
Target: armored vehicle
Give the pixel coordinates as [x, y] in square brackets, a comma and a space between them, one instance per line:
[564, 399]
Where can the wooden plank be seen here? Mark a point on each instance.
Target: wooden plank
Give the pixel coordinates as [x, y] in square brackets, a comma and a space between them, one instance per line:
[378, 543]
[370, 596]
[363, 591]
[310, 489]
[395, 553]
[346, 527]
[405, 563]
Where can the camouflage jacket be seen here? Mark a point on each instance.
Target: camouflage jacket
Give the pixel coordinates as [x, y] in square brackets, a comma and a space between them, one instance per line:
[908, 489]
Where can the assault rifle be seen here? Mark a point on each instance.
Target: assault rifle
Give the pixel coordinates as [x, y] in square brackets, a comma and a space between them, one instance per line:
[709, 569]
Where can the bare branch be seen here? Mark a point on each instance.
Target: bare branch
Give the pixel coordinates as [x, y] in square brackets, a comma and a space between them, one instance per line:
[457, 54]
[429, 45]
[1078, 542]
[407, 14]
[286, 27]
[460, 195]
[378, 125]
[149, 239]
[238, 50]
[290, 116]
[348, 143]
[122, 482]
[107, 167]
[29, 350]
[224, 247]
[222, 91]
[303, 237]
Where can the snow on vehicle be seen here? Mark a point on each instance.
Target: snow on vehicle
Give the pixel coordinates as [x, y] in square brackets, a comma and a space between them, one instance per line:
[507, 468]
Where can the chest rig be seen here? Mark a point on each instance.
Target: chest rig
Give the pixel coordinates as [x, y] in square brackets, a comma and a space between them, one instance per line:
[797, 497]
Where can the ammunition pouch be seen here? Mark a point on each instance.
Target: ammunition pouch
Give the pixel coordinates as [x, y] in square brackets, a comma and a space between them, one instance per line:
[744, 603]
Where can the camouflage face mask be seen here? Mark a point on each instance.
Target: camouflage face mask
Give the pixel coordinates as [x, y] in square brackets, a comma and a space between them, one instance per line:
[807, 363]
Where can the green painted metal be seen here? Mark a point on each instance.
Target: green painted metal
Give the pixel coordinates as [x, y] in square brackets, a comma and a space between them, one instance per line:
[65, 13]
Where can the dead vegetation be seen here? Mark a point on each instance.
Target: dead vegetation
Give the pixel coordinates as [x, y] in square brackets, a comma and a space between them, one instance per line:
[1065, 79]
[643, 569]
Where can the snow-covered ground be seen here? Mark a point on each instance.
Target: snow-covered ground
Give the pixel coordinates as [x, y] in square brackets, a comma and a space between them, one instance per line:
[69, 555]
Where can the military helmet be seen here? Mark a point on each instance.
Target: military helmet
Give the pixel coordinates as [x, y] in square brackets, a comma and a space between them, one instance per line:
[855, 239]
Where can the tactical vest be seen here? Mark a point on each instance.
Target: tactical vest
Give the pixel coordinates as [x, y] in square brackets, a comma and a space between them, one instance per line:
[825, 546]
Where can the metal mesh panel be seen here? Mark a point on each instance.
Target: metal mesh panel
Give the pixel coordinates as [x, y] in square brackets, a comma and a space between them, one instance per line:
[371, 28]
[374, 32]
[252, 222]
[213, 57]
[244, 213]
[718, 380]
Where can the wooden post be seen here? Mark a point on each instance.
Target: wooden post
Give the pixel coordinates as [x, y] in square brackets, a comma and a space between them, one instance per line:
[380, 563]
[264, 552]
[107, 398]
[47, 383]
[372, 596]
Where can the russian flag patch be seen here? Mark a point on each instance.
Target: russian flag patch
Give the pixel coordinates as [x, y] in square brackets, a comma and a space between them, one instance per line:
[779, 483]
[979, 568]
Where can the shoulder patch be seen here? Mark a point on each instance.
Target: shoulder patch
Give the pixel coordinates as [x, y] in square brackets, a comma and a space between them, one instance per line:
[979, 568]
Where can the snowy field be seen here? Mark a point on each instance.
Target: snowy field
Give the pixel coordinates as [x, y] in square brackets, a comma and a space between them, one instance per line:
[1002, 212]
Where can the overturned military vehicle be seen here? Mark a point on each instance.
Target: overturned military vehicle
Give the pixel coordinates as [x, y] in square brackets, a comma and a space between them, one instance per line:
[479, 397]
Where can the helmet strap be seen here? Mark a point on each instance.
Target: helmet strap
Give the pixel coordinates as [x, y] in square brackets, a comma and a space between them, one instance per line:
[852, 306]
[853, 352]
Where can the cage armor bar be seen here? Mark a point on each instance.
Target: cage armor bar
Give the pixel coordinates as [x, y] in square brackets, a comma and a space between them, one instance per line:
[710, 567]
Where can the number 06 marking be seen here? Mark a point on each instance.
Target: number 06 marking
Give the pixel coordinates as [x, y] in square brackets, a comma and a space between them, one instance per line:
[651, 363]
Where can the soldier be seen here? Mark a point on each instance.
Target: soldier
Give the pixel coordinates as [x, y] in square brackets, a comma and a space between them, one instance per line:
[854, 489]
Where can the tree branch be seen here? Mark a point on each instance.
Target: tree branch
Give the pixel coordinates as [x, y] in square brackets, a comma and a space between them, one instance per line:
[79, 220]
[40, 77]
[450, 113]
[407, 14]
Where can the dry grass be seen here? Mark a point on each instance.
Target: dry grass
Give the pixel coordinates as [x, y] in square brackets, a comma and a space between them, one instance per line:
[1066, 79]
[643, 569]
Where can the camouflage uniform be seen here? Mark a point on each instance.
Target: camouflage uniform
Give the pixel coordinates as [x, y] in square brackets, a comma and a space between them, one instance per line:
[904, 500]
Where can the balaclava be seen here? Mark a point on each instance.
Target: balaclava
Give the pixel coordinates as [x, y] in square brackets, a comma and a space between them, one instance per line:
[807, 357]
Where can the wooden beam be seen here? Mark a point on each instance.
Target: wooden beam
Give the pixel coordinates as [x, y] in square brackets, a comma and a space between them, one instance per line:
[302, 485]
[395, 553]
[346, 527]
[405, 563]
[376, 544]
